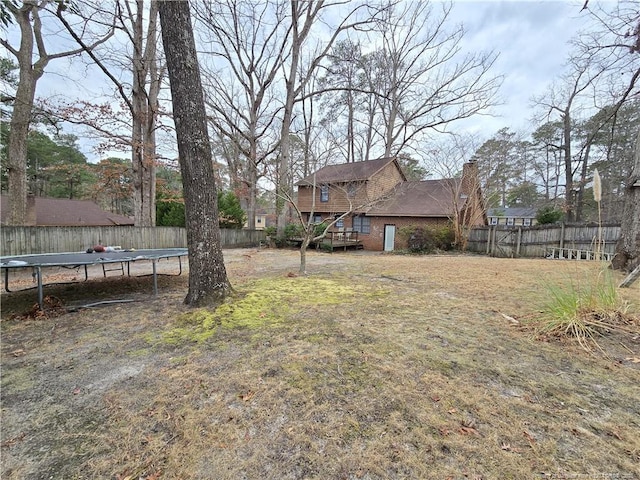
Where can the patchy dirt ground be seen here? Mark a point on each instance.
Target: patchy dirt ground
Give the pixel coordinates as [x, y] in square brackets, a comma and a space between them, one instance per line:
[372, 367]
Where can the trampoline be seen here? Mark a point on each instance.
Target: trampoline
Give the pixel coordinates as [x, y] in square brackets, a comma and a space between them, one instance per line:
[76, 260]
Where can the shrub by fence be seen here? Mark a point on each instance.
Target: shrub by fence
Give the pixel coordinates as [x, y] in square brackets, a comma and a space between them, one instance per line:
[33, 240]
[539, 240]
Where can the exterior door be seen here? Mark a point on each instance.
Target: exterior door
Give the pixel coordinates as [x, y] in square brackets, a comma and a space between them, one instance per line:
[389, 238]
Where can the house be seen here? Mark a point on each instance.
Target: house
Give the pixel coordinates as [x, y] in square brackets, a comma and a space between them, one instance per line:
[63, 212]
[382, 200]
[263, 219]
[513, 217]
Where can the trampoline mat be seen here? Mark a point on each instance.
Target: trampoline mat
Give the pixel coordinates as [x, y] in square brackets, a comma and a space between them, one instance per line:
[75, 259]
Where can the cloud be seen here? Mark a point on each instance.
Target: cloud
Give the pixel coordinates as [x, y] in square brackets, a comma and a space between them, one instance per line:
[531, 39]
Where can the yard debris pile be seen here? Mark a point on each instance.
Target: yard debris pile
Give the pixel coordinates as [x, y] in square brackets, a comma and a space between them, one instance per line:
[53, 307]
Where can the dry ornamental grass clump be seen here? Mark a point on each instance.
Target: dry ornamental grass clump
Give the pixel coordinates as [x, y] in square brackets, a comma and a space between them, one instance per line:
[586, 310]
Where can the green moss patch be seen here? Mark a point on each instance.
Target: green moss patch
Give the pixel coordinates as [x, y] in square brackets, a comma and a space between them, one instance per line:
[263, 303]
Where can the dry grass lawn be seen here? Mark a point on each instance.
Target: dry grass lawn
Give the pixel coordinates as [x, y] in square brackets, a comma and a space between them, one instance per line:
[372, 367]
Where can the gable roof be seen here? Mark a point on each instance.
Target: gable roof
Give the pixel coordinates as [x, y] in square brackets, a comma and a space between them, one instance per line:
[512, 212]
[62, 212]
[426, 198]
[349, 172]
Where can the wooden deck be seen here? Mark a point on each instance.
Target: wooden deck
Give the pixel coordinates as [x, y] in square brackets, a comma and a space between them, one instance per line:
[334, 241]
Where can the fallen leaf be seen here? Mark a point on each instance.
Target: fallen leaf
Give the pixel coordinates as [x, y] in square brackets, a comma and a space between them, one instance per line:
[245, 397]
[13, 441]
[452, 411]
[76, 391]
[529, 437]
[614, 434]
[469, 431]
[633, 359]
[508, 448]
[18, 353]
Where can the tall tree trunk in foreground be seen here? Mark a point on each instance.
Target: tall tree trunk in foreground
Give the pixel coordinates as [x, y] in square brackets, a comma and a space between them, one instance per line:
[208, 282]
[628, 247]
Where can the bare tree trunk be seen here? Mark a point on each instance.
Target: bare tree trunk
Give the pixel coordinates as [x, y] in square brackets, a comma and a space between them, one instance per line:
[208, 282]
[144, 113]
[32, 57]
[628, 247]
[29, 74]
[569, 201]
[283, 160]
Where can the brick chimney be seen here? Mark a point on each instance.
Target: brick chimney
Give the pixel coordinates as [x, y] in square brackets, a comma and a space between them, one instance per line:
[470, 178]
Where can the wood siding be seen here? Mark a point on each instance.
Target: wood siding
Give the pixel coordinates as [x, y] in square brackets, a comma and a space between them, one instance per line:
[536, 241]
[33, 240]
[366, 192]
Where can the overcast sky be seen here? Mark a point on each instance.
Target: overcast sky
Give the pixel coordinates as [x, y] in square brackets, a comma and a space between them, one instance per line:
[529, 36]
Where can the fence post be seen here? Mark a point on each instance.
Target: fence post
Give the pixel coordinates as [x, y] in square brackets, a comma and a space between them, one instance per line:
[518, 240]
[487, 247]
[562, 235]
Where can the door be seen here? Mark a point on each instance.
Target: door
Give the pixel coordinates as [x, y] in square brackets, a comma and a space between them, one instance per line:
[389, 237]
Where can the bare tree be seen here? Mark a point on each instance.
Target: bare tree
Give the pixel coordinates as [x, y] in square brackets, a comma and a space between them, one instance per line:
[208, 282]
[143, 101]
[33, 57]
[618, 41]
[424, 81]
[565, 100]
[453, 160]
[304, 16]
[250, 39]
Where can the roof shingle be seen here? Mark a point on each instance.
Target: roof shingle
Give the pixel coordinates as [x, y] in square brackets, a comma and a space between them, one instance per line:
[347, 172]
[63, 212]
[426, 198]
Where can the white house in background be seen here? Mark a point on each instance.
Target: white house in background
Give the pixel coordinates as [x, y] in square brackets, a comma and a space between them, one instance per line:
[512, 217]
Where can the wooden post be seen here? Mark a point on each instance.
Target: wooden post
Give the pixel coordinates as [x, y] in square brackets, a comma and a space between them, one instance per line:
[562, 235]
[518, 240]
[488, 246]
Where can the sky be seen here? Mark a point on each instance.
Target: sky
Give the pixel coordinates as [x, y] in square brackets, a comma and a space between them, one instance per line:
[530, 38]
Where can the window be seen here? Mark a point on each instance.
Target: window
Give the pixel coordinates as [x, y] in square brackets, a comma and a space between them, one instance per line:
[494, 220]
[259, 220]
[324, 193]
[362, 224]
[340, 223]
[510, 221]
[527, 222]
[317, 219]
[352, 189]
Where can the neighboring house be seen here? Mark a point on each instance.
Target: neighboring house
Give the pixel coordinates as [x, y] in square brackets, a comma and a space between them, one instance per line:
[62, 212]
[513, 217]
[383, 200]
[263, 220]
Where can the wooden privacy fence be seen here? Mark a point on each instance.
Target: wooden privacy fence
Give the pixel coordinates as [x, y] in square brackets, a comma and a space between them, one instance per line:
[553, 241]
[33, 240]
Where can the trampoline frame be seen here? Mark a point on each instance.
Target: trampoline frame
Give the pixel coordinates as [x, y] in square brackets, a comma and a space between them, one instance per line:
[76, 260]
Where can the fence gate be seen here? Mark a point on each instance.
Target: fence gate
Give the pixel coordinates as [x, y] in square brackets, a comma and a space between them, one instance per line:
[504, 242]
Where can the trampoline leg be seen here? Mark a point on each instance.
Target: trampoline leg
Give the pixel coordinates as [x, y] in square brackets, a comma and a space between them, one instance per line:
[155, 278]
[40, 294]
[6, 280]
